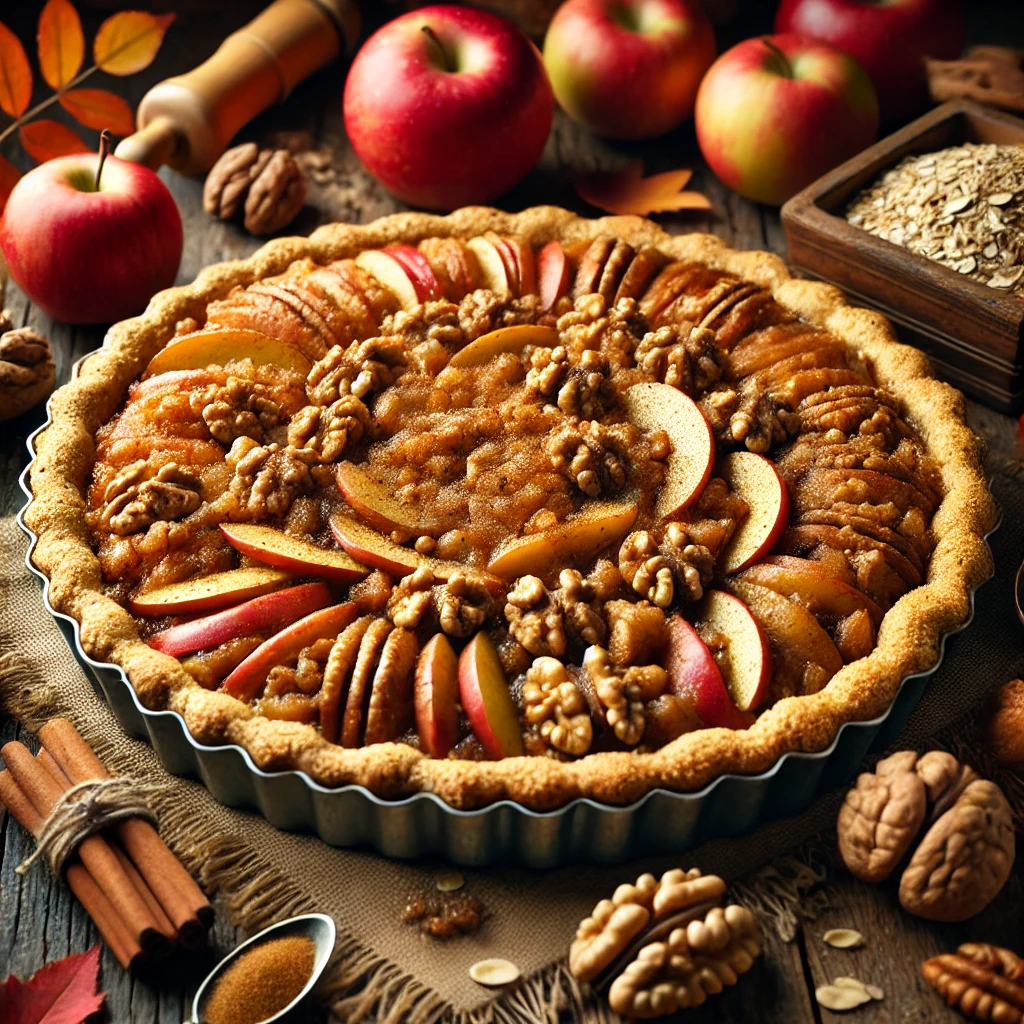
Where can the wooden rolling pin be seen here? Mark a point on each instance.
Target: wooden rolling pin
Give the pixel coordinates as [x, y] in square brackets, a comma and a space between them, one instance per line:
[188, 121]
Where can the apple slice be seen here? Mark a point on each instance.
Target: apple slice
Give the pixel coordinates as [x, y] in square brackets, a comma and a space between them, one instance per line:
[504, 339]
[266, 614]
[220, 347]
[553, 274]
[526, 265]
[274, 547]
[380, 552]
[746, 657]
[209, 592]
[508, 257]
[376, 504]
[436, 696]
[247, 680]
[487, 701]
[653, 406]
[392, 275]
[756, 480]
[420, 272]
[581, 537]
[694, 674]
[492, 266]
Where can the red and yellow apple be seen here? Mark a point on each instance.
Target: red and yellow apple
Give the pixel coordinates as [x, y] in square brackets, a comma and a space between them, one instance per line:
[448, 106]
[754, 479]
[553, 274]
[436, 697]
[728, 625]
[628, 69]
[776, 112]
[889, 40]
[294, 554]
[88, 252]
[487, 701]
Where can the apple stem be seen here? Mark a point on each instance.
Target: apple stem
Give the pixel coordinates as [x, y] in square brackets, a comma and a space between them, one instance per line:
[786, 68]
[104, 150]
[446, 59]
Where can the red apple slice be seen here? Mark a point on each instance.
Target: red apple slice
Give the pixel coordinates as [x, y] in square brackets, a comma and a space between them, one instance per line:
[508, 258]
[553, 274]
[266, 614]
[754, 479]
[220, 347]
[492, 266]
[693, 674]
[420, 272]
[208, 592]
[248, 679]
[504, 339]
[653, 406]
[526, 265]
[376, 504]
[597, 525]
[381, 552]
[436, 696]
[274, 547]
[392, 275]
[746, 658]
[487, 701]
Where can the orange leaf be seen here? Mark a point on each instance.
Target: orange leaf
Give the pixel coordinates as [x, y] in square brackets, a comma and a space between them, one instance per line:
[629, 192]
[9, 175]
[99, 109]
[15, 74]
[128, 42]
[45, 140]
[61, 43]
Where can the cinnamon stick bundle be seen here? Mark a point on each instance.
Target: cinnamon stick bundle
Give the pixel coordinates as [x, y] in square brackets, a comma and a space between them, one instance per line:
[136, 891]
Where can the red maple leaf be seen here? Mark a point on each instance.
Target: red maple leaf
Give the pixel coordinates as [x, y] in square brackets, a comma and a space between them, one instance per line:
[63, 992]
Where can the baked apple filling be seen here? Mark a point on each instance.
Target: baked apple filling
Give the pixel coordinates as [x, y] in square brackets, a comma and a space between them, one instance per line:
[487, 501]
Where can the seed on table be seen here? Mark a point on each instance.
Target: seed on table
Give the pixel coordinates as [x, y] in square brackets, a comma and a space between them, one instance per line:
[1000, 198]
[843, 938]
[494, 971]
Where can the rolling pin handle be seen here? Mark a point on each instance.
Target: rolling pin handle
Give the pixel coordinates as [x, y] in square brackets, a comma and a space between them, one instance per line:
[152, 146]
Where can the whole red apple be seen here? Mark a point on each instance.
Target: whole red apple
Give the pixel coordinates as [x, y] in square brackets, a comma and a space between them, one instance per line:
[889, 40]
[774, 113]
[628, 69]
[448, 106]
[88, 253]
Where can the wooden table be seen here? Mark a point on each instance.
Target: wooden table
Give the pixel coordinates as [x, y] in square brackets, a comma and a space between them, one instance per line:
[40, 921]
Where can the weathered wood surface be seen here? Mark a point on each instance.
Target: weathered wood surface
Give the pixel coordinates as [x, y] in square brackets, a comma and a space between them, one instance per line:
[40, 921]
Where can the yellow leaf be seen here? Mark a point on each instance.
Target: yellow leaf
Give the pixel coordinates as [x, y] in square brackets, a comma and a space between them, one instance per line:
[15, 74]
[99, 109]
[61, 43]
[44, 140]
[9, 175]
[127, 42]
[629, 192]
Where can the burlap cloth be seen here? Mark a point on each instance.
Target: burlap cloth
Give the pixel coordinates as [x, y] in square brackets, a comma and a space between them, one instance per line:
[385, 970]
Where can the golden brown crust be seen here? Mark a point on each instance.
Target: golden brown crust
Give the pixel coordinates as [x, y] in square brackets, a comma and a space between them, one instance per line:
[908, 640]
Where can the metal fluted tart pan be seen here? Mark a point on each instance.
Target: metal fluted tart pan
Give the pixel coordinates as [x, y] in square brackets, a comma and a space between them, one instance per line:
[909, 642]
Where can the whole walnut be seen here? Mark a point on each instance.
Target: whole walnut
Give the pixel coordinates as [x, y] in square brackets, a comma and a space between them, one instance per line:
[964, 857]
[27, 369]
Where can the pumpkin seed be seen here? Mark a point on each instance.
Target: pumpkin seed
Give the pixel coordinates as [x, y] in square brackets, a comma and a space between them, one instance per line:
[839, 998]
[494, 971]
[843, 938]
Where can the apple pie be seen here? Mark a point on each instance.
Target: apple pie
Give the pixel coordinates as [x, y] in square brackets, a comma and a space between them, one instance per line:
[519, 507]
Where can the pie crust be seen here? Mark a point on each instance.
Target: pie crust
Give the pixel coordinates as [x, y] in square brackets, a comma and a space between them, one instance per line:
[908, 640]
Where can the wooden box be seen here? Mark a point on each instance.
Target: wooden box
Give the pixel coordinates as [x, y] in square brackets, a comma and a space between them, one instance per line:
[972, 333]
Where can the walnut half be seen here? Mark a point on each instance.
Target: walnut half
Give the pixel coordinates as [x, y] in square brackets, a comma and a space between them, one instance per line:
[556, 707]
[27, 369]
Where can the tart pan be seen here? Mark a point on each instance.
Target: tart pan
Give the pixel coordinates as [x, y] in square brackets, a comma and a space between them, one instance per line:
[423, 825]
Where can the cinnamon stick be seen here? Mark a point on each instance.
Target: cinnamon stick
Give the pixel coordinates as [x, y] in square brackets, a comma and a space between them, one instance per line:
[111, 927]
[181, 898]
[44, 791]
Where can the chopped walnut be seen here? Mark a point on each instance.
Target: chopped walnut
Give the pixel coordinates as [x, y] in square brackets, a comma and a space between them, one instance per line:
[306, 676]
[623, 692]
[534, 619]
[134, 502]
[585, 392]
[684, 356]
[645, 569]
[237, 408]
[555, 705]
[483, 311]
[548, 369]
[638, 631]
[359, 369]
[581, 600]
[466, 604]
[594, 456]
[268, 477]
[328, 431]
[411, 599]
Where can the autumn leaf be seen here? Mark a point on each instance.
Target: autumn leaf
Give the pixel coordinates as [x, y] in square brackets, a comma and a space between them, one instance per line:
[99, 109]
[62, 992]
[44, 140]
[9, 175]
[629, 192]
[127, 42]
[61, 43]
[15, 74]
